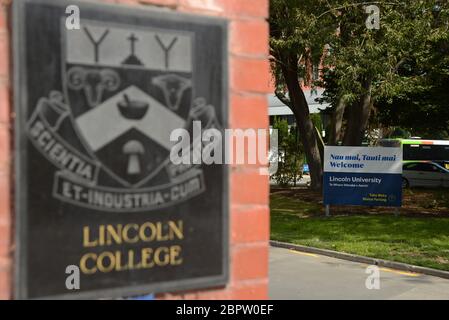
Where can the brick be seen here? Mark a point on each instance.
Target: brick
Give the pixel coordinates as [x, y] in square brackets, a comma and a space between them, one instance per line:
[5, 234]
[169, 296]
[214, 7]
[247, 8]
[4, 55]
[249, 111]
[3, 19]
[5, 284]
[249, 37]
[190, 296]
[250, 224]
[4, 103]
[214, 295]
[5, 215]
[4, 150]
[251, 291]
[165, 3]
[229, 8]
[249, 188]
[250, 262]
[5, 264]
[247, 149]
[250, 75]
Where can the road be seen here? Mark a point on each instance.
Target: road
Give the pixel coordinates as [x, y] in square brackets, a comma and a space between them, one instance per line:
[303, 276]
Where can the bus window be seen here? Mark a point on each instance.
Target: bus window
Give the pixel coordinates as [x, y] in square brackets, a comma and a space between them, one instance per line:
[432, 150]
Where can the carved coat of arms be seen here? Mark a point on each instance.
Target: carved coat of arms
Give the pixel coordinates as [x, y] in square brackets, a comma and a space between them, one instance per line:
[108, 130]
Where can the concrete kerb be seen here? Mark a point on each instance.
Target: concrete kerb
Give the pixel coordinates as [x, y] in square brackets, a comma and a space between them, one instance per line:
[362, 259]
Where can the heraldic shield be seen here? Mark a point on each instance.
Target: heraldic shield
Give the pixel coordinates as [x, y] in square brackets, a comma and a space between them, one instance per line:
[119, 142]
[127, 90]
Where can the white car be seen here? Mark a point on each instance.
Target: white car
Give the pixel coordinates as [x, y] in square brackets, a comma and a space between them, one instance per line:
[424, 174]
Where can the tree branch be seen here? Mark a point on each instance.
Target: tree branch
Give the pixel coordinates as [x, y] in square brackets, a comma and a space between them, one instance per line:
[400, 63]
[356, 5]
[281, 96]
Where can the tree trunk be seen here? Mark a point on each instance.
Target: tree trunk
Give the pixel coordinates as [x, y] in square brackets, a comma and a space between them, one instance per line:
[336, 123]
[359, 113]
[307, 132]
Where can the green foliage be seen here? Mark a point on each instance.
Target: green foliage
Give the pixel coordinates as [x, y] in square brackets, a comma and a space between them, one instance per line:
[424, 109]
[298, 27]
[418, 241]
[406, 60]
[291, 156]
[358, 53]
[316, 119]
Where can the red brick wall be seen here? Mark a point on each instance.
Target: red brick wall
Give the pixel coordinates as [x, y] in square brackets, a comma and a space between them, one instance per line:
[249, 84]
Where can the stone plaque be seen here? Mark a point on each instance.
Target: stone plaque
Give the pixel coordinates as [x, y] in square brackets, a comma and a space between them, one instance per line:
[102, 210]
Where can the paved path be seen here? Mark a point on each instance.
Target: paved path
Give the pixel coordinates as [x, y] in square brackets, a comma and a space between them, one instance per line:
[305, 276]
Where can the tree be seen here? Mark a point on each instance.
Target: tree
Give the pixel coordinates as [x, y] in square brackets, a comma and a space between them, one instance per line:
[297, 39]
[424, 109]
[368, 67]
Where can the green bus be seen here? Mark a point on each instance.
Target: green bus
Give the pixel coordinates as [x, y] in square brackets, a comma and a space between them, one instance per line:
[418, 149]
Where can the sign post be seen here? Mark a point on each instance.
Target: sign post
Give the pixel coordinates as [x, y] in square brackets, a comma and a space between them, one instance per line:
[95, 186]
[328, 210]
[364, 176]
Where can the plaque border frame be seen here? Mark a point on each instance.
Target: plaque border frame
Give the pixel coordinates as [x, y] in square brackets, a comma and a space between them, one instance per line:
[20, 90]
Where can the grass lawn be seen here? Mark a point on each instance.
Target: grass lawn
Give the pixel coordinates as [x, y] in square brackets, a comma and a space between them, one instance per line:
[422, 241]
